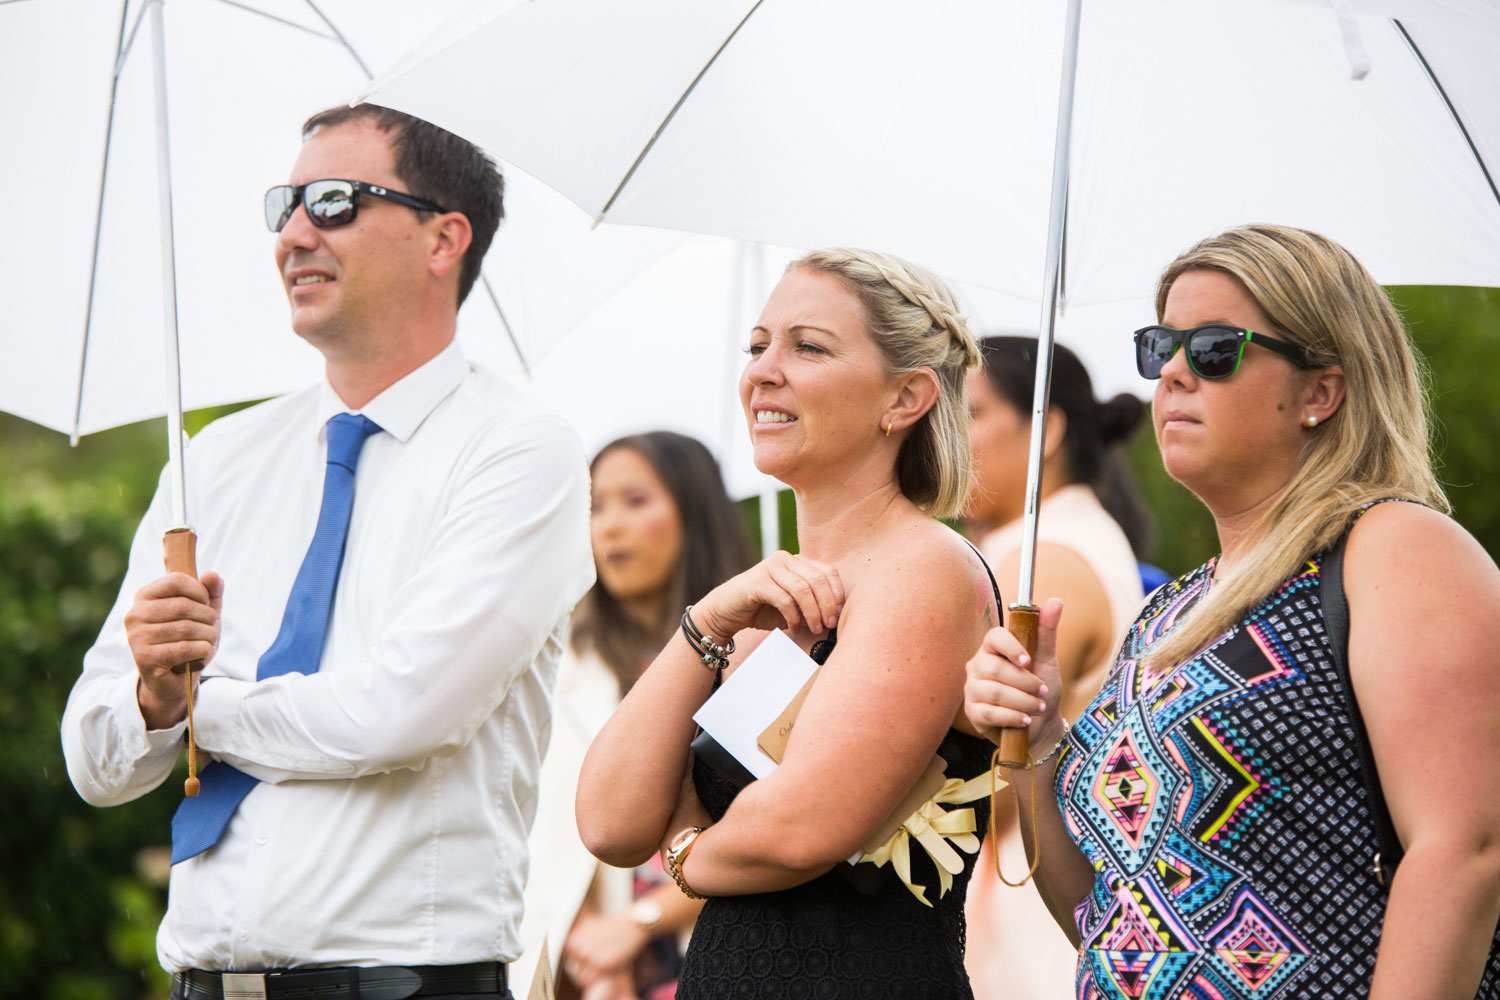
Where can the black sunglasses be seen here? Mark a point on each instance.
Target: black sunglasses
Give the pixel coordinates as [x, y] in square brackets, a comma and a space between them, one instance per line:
[331, 202]
[1214, 350]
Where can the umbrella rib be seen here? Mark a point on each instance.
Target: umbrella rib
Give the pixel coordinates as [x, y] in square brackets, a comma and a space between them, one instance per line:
[109, 136]
[341, 39]
[1062, 256]
[123, 51]
[505, 322]
[673, 113]
[1457, 119]
[281, 20]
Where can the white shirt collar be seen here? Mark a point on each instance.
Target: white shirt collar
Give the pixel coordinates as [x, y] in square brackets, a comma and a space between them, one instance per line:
[402, 407]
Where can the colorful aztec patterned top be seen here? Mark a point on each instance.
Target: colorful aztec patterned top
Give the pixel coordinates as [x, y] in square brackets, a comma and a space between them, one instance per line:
[1222, 807]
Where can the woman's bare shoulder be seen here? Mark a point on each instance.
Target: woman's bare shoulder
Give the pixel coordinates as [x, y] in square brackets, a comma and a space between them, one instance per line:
[1408, 555]
[1410, 533]
[927, 567]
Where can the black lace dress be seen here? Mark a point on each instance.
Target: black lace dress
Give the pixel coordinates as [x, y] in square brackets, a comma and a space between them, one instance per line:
[827, 939]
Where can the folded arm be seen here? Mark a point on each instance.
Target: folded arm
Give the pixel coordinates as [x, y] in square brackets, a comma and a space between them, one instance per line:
[507, 562]
[869, 727]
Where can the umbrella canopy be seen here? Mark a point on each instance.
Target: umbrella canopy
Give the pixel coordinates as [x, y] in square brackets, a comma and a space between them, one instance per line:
[928, 130]
[81, 271]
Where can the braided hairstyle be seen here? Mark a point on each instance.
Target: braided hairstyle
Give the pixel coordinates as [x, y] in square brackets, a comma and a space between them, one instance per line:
[1093, 428]
[913, 319]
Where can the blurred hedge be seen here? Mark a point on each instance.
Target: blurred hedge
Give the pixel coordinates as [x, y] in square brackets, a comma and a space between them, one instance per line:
[80, 912]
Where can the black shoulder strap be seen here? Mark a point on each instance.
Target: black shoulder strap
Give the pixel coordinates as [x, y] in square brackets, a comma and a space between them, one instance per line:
[1336, 624]
[999, 602]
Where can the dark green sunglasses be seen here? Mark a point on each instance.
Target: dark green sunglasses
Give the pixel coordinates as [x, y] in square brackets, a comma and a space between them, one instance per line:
[1214, 350]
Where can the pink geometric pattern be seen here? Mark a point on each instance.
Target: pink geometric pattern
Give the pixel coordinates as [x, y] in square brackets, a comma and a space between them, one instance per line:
[1127, 789]
[1253, 946]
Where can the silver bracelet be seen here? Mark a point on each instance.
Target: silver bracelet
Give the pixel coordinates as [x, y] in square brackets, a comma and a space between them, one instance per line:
[715, 657]
[1035, 762]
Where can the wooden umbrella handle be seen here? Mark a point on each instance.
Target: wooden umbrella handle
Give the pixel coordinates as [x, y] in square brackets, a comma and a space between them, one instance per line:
[180, 547]
[1022, 625]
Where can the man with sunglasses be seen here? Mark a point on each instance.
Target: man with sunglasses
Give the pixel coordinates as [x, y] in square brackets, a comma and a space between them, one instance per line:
[400, 547]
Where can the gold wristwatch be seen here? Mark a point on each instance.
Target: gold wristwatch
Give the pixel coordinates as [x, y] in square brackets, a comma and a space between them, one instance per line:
[676, 853]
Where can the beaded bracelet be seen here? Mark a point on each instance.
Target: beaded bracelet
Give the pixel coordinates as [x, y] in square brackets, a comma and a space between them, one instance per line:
[715, 656]
[1035, 762]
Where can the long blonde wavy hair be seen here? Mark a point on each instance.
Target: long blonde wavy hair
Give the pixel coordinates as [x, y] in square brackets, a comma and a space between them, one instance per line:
[1377, 445]
[915, 322]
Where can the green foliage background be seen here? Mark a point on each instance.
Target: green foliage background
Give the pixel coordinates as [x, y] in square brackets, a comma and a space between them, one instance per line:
[82, 887]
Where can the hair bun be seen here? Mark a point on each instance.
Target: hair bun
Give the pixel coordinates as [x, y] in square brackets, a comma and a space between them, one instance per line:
[1119, 417]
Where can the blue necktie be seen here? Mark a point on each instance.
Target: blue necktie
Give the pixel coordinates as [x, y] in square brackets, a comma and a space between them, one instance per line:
[200, 821]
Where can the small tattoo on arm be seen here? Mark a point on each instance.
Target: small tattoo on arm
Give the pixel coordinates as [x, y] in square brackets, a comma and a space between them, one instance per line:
[985, 595]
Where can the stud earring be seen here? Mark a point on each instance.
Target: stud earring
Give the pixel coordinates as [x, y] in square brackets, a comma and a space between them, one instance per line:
[1311, 421]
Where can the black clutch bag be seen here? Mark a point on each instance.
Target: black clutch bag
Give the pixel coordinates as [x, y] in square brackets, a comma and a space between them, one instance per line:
[708, 750]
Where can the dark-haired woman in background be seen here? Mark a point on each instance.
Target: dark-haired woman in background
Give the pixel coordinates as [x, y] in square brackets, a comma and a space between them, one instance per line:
[663, 528]
[1091, 529]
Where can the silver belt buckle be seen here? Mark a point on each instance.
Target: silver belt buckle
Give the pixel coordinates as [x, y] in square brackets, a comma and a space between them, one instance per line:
[243, 985]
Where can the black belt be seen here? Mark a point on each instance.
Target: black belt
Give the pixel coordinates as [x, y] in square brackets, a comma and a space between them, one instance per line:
[355, 983]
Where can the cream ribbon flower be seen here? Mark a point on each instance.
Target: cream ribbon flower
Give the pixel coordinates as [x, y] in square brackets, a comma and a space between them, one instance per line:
[933, 828]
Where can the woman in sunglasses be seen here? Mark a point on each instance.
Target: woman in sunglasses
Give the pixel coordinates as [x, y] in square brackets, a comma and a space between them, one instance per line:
[1214, 830]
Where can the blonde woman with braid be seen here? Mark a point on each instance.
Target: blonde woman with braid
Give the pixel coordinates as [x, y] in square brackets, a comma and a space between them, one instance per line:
[854, 396]
[1215, 831]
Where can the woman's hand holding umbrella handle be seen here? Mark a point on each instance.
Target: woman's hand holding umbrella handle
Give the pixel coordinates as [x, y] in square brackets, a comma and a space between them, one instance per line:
[1024, 620]
[781, 591]
[1011, 689]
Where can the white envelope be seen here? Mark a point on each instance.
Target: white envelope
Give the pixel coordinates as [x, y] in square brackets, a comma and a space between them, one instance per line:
[751, 699]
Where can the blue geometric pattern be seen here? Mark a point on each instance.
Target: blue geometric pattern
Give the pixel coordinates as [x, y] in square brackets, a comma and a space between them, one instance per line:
[1132, 785]
[1189, 876]
[1223, 811]
[1253, 949]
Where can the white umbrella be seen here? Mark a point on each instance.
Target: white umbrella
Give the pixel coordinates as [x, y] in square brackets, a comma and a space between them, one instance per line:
[140, 136]
[929, 130]
[81, 270]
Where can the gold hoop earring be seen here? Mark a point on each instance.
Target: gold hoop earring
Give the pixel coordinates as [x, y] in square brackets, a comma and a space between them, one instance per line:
[888, 428]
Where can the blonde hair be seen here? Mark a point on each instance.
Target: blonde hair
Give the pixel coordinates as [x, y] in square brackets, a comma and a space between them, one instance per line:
[913, 319]
[1377, 444]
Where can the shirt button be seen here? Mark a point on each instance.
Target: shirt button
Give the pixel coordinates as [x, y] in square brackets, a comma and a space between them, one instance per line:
[244, 935]
[261, 838]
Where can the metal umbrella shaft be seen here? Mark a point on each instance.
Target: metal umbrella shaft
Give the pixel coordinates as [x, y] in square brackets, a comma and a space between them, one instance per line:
[179, 543]
[1023, 613]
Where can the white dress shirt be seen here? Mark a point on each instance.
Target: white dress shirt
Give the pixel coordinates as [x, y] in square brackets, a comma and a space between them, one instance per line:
[399, 781]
